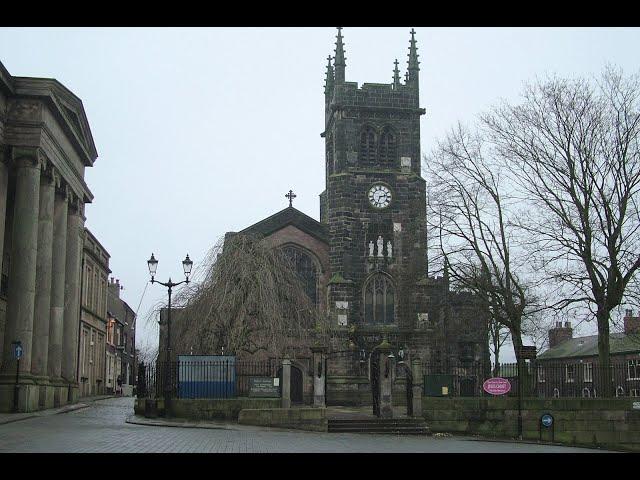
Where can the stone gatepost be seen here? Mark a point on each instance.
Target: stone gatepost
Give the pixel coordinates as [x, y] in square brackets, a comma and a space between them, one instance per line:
[385, 379]
[319, 375]
[416, 373]
[286, 384]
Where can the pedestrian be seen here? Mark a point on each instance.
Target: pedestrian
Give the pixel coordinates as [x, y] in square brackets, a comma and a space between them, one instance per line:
[119, 391]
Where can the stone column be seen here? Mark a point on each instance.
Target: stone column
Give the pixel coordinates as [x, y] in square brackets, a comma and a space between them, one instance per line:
[42, 313]
[416, 371]
[319, 375]
[54, 364]
[4, 188]
[286, 384]
[22, 282]
[75, 236]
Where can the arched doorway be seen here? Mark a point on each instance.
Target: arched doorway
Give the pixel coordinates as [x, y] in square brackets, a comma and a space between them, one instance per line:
[295, 384]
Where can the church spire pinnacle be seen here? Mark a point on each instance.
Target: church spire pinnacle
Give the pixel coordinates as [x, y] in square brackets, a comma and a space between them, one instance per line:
[396, 75]
[413, 67]
[339, 58]
[329, 79]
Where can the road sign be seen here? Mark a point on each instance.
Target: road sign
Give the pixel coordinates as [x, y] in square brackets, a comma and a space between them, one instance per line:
[546, 420]
[17, 351]
[496, 386]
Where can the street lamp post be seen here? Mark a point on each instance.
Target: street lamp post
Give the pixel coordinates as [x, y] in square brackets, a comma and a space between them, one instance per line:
[153, 266]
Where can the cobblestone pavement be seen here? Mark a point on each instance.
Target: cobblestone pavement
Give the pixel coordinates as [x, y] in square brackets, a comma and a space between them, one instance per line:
[101, 428]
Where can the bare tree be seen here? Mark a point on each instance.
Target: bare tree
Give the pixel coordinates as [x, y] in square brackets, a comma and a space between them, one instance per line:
[470, 208]
[249, 299]
[572, 150]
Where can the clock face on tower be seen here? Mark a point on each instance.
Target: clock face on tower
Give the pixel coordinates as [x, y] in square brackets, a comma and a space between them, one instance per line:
[379, 196]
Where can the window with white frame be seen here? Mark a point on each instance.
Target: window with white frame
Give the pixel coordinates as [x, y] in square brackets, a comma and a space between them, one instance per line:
[633, 370]
[634, 392]
[588, 372]
[556, 393]
[586, 393]
[619, 391]
[541, 377]
[570, 373]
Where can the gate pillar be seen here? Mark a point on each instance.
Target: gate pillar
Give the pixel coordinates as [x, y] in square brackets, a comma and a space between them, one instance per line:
[286, 384]
[386, 367]
[416, 371]
[319, 375]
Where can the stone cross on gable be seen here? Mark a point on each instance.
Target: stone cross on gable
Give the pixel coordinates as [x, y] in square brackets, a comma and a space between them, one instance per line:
[291, 196]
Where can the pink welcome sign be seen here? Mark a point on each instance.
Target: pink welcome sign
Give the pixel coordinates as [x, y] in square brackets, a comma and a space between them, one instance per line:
[496, 386]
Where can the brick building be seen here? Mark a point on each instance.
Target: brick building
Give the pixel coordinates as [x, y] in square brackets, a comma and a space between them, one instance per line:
[569, 366]
[365, 262]
[122, 336]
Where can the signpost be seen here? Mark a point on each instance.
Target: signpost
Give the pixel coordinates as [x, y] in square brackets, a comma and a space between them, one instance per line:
[17, 354]
[546, 421]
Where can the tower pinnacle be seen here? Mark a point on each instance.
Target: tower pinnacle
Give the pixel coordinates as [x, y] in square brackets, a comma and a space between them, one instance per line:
[339, 58]
[329, 79]
[413, 67]
[396, 75]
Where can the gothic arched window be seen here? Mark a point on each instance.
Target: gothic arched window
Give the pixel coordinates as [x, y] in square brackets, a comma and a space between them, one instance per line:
[368, 144]
[306, 269]
[388, 146]
[379, 300]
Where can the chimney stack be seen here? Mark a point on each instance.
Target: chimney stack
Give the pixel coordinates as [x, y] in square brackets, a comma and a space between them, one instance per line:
[114, 287]
[631, 323]
[560, 334]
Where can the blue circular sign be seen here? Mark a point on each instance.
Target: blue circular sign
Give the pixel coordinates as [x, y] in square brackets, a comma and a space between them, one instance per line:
[546, 420]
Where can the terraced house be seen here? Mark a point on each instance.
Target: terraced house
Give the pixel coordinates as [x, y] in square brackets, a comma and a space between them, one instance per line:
[569, 366]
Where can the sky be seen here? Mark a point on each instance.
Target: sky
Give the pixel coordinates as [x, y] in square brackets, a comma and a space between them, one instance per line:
[201, 131]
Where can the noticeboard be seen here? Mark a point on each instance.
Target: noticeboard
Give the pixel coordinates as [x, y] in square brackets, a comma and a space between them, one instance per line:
[265, 387]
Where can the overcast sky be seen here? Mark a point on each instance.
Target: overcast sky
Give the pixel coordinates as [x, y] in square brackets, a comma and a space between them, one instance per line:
[200, 131]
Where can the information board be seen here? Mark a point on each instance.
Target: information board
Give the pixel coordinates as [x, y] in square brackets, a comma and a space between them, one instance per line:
[264, 387]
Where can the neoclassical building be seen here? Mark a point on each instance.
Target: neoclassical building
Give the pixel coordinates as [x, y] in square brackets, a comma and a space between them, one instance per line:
[45, 146]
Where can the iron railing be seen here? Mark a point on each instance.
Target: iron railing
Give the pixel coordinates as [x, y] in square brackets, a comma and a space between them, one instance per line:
[203, 379]
[540, 379]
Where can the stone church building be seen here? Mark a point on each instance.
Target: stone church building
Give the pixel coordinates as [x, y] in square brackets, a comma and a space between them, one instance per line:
[365, 262]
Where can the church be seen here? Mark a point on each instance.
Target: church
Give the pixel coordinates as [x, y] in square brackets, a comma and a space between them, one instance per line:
[365, 262]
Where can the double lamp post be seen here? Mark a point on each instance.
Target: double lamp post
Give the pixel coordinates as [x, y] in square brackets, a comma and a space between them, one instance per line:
[153, 266]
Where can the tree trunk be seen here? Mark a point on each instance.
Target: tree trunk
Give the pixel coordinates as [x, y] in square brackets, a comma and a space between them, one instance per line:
[604, 361]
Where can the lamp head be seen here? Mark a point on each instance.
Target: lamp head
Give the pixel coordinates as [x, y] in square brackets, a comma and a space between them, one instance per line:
[152, 263]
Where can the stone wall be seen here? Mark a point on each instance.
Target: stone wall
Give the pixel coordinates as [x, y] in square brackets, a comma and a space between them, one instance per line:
[608, 423]
[204, 409]
[314, 419]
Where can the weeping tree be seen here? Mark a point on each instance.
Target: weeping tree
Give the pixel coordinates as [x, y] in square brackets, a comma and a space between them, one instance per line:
[246, 297]
[572, 148]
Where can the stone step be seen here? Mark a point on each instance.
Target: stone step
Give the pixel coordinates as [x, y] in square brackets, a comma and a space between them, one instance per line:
[382, 425]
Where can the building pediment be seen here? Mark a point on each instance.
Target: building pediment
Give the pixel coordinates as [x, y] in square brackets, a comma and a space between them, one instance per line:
[66, 107]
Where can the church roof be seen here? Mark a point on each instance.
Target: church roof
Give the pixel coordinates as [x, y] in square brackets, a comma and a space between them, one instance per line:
[283, 218]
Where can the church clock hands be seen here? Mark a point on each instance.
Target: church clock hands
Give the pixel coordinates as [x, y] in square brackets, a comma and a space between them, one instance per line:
[379, 196]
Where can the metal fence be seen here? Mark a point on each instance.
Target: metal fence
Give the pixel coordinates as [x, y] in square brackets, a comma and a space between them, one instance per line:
[202, 379]
[540, 379]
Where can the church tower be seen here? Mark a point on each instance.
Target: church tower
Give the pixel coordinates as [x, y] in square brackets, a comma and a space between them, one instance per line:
[374, 204]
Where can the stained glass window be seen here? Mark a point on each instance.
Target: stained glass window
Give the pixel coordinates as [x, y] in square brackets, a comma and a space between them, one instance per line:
[306, 270]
